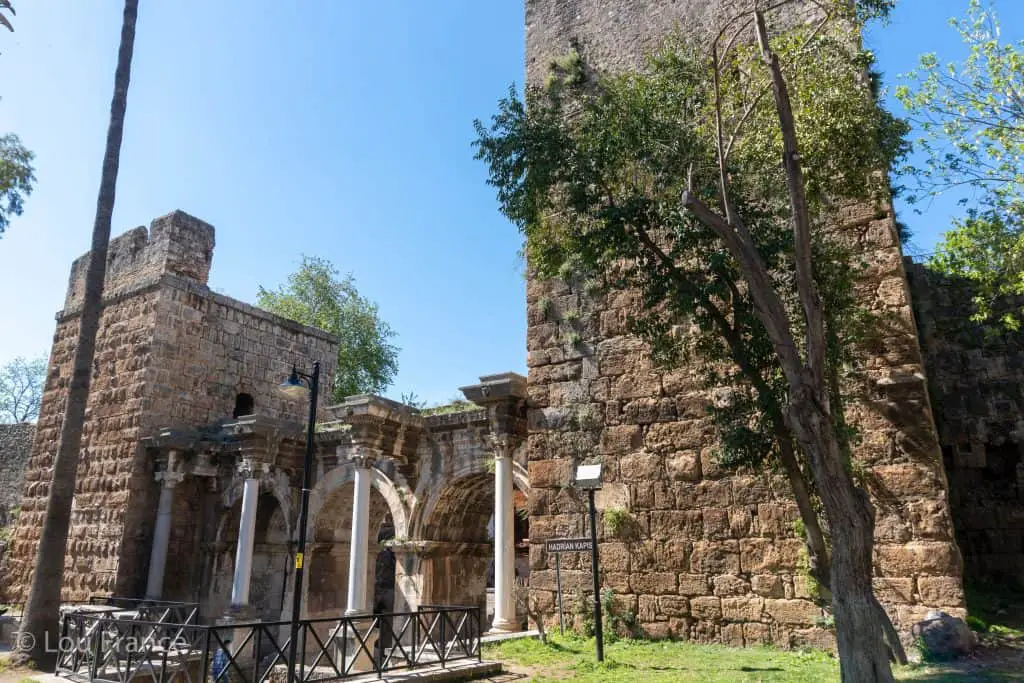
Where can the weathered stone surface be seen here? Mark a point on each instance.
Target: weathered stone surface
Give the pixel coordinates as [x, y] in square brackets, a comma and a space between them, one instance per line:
[641, 467]
[760, 554]
[544, 473]
[946, 591]
[742, 609]
[734, 532]
[693, 584]
[945, 636]
[674, 605]
[683, 466]
[654, 583]
[937, 558]
[975, 391]
[715, 557]
[15, 448]
[767, 585]
[792, 612]
[891, 590]
[727, 584]
[707, 608]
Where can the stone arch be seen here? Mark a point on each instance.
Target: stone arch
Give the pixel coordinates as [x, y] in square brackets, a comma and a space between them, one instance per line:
[271, 553]
[476, 472]
[380, 482]
[275, 484]
[456, 523]
[329, 549]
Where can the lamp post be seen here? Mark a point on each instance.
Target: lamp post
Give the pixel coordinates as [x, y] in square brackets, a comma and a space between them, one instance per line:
[588, 478]
[294, 387]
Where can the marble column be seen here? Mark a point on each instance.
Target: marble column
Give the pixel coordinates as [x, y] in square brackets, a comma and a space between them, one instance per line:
[246, 536]
[168, 479]
[504, 542]
[360, 541]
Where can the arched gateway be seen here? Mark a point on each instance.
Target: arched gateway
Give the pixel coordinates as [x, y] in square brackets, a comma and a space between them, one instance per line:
[438, 513]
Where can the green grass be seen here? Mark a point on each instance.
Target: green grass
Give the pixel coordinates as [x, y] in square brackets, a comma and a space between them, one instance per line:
[633, 661]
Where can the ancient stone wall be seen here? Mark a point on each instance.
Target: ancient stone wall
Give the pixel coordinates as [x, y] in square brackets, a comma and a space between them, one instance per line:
[170, 353]
[976, 376]
[15, 446]
[694, 551]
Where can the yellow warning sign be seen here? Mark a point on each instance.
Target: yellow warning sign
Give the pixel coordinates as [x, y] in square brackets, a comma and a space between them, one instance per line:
[298, 560]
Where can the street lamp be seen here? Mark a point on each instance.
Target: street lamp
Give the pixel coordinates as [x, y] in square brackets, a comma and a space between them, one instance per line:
[588, 478]
[295, 387]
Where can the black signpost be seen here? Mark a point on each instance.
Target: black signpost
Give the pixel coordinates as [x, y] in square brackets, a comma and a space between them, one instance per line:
[588, 478]
[559, 546]
[598, 630]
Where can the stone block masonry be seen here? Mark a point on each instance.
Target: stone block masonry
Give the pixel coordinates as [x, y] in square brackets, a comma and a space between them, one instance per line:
[170, 353]
[702, 553]
[976, 377]
[15, 446]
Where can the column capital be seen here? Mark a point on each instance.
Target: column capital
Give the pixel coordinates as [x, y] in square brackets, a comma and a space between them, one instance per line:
[501, 445]
[250, 468]
[361, 456]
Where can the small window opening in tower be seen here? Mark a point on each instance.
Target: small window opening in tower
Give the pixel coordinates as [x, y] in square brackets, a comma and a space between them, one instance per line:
[243, 405]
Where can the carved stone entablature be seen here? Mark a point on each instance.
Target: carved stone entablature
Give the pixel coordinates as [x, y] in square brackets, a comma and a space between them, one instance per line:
[266, 440]
[504, 397]
[182, 452]
[375, 427]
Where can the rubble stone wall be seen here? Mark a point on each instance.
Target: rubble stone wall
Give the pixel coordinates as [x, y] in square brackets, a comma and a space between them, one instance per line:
[694, 551]
[15, 446]
[976, 377]
[170, 353]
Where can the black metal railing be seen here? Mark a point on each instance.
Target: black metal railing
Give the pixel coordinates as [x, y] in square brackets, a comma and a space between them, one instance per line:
[150, 610]
[105, 648]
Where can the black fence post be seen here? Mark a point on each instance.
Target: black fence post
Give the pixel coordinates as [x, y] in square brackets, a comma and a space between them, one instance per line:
[206, 657]
[444, 643]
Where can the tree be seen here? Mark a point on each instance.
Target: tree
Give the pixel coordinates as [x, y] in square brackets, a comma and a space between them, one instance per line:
[40, 620]
[21, 389]
[970, 116]
[669, 182]
[16, 177]
[985, 250]
[316, 295]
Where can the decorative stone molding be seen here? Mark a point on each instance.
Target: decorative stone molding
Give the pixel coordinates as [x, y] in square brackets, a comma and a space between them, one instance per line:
[250, 468]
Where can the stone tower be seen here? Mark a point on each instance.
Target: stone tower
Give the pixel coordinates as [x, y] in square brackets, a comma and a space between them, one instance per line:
[707, 554]
[170, 352]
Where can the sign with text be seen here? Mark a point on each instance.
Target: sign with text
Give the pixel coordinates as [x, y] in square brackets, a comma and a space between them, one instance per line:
[569, 545]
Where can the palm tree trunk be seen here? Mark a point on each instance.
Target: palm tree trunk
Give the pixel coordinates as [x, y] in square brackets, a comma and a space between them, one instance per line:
[42, 608]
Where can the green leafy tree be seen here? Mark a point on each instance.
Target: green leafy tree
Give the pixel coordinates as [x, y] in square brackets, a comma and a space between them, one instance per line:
[970, 116]
[317, 295]
[21, 389]
[669, 182]
[985, 251]
[16, 177]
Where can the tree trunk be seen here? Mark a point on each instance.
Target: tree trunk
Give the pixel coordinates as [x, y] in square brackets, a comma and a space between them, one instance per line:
[39, 627]
[864, 652]
[817, 550]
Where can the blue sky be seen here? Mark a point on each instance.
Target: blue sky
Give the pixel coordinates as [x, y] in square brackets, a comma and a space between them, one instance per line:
[329, 127]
